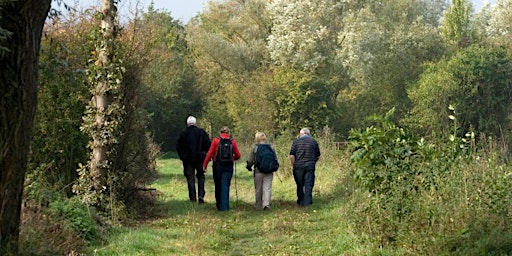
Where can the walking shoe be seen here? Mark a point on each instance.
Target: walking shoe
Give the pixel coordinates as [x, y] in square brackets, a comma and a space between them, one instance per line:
[266, 208]
[201, 200]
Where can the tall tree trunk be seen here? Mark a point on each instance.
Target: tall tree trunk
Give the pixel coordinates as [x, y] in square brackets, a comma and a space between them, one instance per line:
[18, 101]
[101, 100]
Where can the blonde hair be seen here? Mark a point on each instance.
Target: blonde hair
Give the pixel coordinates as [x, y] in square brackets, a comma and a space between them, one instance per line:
[260, 137]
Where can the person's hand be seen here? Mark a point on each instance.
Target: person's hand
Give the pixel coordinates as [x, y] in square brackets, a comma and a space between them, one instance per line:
[204, 169]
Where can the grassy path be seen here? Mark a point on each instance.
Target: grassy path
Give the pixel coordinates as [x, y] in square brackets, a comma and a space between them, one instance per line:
[186, 228]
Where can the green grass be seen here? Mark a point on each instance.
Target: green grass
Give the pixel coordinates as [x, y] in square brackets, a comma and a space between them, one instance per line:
[185, 228]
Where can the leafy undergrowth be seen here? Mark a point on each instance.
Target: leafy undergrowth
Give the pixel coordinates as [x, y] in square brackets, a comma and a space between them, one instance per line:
[180, 227]
[46, 234]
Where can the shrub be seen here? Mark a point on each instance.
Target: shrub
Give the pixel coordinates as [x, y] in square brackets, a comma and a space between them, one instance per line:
[43, 234]
[78, 216]
[430, 198]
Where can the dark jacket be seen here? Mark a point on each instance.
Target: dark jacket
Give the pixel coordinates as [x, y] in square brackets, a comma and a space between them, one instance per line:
[193, 144]
[306, 152]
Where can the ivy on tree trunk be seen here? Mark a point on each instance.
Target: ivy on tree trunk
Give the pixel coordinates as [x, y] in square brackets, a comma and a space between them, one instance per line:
[104, 113]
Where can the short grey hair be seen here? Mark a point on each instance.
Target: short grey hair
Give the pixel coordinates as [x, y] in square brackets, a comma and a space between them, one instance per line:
[305, 131]
[191, 121]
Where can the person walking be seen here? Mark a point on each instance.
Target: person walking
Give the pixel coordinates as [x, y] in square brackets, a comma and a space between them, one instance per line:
[304, 153]
[192, 145]
[223, 152]
[262, 179]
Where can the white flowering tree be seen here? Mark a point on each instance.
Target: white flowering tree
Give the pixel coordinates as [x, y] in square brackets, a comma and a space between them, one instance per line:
[303, 45]
[383, 47]
[499, 28]
[303, 32]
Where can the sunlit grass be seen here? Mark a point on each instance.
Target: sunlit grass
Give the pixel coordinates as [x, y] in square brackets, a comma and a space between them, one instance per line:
[186, 228]
[341, 221]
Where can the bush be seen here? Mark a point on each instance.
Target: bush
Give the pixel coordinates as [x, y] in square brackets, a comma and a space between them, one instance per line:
[429, 198]
[78, 216]
[42, 234]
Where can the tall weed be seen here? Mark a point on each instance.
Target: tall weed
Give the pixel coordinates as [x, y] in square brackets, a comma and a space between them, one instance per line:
[78, 216]
[429, 198]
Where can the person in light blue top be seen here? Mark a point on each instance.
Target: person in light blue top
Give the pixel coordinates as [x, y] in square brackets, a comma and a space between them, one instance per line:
[304, 154]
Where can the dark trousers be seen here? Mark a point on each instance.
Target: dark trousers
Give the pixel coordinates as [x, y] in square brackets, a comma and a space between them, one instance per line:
[222, 179]
[191, 172]
[305, 181]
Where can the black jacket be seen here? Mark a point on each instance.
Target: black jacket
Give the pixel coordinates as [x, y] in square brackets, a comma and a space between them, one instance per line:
[193, 144]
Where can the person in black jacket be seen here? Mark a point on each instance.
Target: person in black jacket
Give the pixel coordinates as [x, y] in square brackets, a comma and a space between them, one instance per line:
[192, 146]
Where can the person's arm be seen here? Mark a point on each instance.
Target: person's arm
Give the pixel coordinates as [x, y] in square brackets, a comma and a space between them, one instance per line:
[292, 159]
[206, 141]
[236, 152]
[179, 146]
[251, 158]
[210, 153]
[292, 153]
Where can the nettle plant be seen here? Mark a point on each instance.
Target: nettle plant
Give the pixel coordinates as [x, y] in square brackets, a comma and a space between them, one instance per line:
[395, 168]
[384, 153]
[381, 154]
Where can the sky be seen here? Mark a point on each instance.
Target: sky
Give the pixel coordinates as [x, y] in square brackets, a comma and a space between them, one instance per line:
[182, 10]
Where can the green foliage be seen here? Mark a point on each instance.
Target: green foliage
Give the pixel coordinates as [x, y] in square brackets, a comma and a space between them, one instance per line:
[384, 159]
[476, 82]
[58, 145]
[102, 123]
[134, 165]
[4, 34]
[484, 237]
[383, 48]
[381, 156]
[119, 131]
[37, 187]
[166, 74]
[396, 169]
[496, 24]
[78, 215]
[304, 33]
[413, 191]
[233, 67]
[44, 233]
[456, 28]
[302, 101]
[257, 66]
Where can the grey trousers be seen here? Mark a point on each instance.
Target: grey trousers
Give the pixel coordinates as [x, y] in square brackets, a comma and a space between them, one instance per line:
[262, 189]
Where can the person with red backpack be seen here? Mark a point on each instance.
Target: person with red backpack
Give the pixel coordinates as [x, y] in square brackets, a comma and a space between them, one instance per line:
[223, 152]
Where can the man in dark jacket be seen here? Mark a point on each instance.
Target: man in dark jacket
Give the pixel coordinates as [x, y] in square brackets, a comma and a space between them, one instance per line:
[304, 154]
[192, 146]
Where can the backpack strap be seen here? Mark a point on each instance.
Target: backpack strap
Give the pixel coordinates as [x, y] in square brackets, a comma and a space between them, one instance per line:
[256, 153]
